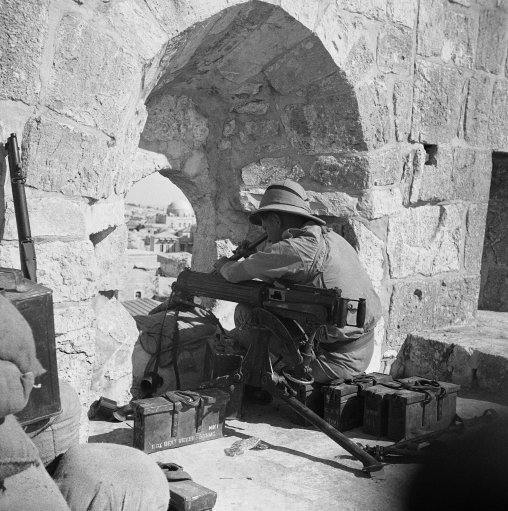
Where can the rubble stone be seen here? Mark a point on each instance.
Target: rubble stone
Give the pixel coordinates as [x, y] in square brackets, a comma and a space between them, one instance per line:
[425, 240]
[265, 171]
[24, 31]
[175, 263]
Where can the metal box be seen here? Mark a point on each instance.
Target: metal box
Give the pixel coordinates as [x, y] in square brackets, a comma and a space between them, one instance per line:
[412, 413]
[36, 306]
[221, 360]
[168, 422]
[344, 402]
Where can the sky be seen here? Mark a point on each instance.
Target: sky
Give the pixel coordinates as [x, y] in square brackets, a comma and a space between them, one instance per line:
[154, 190]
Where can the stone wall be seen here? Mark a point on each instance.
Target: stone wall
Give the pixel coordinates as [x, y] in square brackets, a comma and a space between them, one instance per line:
[387, 111]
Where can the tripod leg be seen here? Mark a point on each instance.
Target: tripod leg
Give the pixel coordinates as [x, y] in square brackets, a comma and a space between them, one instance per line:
[370, 465]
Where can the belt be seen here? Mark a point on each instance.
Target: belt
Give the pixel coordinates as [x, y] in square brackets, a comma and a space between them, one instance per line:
[348, 346]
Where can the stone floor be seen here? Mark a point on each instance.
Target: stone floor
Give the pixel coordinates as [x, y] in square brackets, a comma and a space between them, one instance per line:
[301, 470]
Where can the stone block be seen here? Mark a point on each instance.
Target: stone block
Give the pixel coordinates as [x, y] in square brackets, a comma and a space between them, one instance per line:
[342, 170]
[68, 267]
[438, 95]
[252, 108]
[361, 58]
[146, 37]
[370, 252]
[478, 109]
[51, 214]
[404, 12]
[375, 109]
[492, 39]
[61, 158]
[425, 240]
[402, 97]
[14, 116]
[111, 256]
[84, 54]
[115, 336]
[395, 49]
[375, 9]
[498, 121]
[473, 356]
[328, 125]
[447, 33]
[23, 32]
[378, 202]
[475, 232]
[307, 62]
[266, 170]
[336, 204]
[471, 174]
[70, 316]
[494, 294]
[412, 308]
[456, 300]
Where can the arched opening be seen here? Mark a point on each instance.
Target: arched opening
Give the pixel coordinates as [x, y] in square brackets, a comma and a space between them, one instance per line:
[246, 97]
[161, 225]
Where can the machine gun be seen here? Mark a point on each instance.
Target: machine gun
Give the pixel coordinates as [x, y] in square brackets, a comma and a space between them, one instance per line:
[294, 314]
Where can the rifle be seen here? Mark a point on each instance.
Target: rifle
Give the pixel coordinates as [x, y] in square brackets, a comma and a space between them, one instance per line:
[18, 179]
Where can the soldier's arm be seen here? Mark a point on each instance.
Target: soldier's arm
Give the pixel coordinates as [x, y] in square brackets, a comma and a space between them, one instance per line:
[277, 261]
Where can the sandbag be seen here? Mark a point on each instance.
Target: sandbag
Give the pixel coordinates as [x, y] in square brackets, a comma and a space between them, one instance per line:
[56, 435]
[16, 340]
[106, 477]
[15, 388]
[17, 452]
[194, 330]
[32, 490]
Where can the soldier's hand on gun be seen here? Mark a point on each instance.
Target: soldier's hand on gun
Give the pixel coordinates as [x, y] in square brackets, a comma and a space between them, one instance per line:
[244, 249]
[219, 264]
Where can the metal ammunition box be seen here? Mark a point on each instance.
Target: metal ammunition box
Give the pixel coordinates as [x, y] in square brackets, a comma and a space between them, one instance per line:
[344, 402]
[222, 360]
[375, 410]
[36, 306]
[190, 496]
[162, 424]
[412, 413]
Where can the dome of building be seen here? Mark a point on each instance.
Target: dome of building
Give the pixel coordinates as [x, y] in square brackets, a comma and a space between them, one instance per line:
[180, 207]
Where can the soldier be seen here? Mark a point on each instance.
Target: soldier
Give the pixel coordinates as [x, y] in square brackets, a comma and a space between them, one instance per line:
[301, 249]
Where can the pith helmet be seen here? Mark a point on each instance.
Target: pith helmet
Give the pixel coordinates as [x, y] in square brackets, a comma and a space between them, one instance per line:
[284, 197]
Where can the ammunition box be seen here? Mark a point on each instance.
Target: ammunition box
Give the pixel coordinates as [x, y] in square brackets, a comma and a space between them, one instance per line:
[344, 402]
[36, 306]
[311, 395]
[413, 413]
[163, 424]
[221, 360]
[375, 410]
[190, 496]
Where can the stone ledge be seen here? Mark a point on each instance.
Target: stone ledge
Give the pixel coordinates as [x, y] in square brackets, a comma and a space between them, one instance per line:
[474, 356]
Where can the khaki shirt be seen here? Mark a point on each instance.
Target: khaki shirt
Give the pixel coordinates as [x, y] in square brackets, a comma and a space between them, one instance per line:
[293, 259]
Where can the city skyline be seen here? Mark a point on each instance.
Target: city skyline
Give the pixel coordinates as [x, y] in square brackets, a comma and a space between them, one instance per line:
[154, 190]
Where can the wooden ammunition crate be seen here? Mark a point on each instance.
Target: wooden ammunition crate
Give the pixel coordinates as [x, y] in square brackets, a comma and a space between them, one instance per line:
[162, 424]
[375, 410]
[344, 402]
